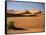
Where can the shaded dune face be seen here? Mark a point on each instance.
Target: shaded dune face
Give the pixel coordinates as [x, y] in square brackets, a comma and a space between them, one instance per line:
[32, 12]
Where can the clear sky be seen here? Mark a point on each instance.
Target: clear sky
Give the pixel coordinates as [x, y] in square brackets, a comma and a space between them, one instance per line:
[25, 5]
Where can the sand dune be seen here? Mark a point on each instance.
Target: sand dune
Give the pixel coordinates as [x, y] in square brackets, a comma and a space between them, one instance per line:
[32, 24]
[16, 11]
[32, 11]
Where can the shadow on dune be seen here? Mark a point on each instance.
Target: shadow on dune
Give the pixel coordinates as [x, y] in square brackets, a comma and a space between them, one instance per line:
[26, 14]
[11, 26]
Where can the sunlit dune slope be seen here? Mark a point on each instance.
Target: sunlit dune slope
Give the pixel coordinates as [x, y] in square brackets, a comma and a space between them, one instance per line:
[31, 11]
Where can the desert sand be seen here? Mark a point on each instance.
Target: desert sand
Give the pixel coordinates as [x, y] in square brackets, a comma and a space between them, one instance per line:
[32, 23]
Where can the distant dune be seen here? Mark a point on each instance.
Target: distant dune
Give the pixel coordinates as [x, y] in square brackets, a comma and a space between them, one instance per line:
[32, 11]
[16, 11]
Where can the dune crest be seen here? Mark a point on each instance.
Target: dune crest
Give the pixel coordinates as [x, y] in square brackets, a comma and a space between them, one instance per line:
[32, 11]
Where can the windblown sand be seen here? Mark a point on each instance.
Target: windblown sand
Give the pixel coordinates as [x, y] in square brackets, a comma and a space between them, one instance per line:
[32, 24]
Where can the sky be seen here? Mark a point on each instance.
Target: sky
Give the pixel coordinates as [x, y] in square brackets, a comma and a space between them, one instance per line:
[25, 5]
